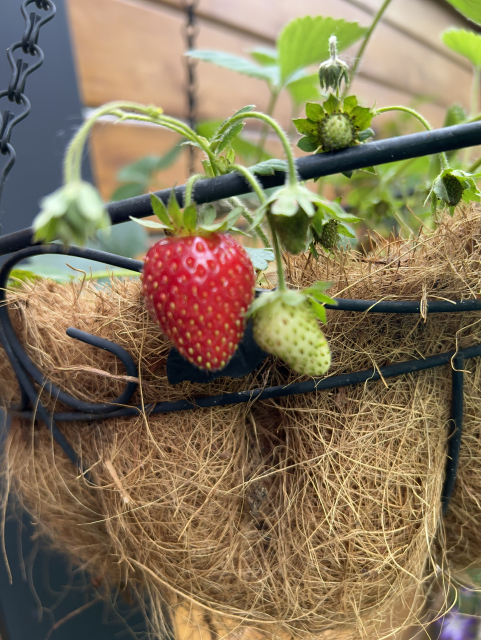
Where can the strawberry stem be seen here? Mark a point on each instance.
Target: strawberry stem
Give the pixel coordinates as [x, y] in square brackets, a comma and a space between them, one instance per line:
[291, 174]
[189, 187]
[443, 159]
[281, 283]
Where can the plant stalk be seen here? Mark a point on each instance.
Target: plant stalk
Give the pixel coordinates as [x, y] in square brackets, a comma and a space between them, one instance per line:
[281, 283]
[443, 159]
[365, 42]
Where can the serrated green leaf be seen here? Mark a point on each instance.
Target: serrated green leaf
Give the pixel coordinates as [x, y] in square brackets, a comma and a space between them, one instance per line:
[314, 112]
[234, 63]
[126, 191]
[466, 43]
[150, 224]
[306, 127]
[318, 309]
[307, 144]
[260, 258]
[305, 41]
[269, 167]
[175, 214]
[303, 89]
[471, 9]
[159, 209]
[265, 56]
[190, 218]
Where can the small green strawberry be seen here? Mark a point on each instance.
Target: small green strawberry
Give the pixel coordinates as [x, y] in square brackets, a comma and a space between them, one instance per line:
[452, 186]
[336, 132]
[292, 231]
[330, 235]
[454, 189]
[286, 325]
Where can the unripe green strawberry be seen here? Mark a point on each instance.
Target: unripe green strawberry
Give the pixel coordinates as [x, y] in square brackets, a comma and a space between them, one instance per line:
[454, 189]
[330, 235]
[336, 132]
[292, 231]
[292, 333]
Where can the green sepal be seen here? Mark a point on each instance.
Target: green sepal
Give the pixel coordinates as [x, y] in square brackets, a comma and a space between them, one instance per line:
[226, 224]
[307, 144]
[159, 209]
[314, 112]
[318, 309]
[332, 104]
[150, 224]
[365, 135]
[190, 218]
[174, 210]
[344, 231]
[306, 127]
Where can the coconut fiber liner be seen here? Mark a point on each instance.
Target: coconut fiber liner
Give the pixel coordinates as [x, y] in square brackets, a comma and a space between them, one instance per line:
[310, 515]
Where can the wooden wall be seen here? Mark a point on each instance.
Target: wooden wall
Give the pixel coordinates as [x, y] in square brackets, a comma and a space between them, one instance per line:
[133, 50]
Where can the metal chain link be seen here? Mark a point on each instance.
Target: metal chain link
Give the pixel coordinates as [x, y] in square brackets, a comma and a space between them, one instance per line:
[21, 69]
[190, 33]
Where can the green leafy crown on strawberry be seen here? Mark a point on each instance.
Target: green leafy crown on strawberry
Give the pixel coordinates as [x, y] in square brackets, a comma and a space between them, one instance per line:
[453, 186]
[335, 124]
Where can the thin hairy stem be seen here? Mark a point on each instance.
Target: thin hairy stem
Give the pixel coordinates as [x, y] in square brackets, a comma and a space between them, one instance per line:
[281, 283]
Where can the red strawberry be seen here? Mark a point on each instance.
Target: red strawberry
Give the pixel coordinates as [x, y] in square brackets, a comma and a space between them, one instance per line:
[198, 289]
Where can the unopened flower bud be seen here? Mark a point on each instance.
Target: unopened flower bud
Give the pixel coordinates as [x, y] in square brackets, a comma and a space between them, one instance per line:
[333, 71]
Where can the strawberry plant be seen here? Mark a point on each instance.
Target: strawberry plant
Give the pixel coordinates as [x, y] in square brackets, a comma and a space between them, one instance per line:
[198, 281]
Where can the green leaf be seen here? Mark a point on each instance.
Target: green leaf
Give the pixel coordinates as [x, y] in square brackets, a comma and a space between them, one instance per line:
[314, 112]
[454, 115]
[260, 258]
[306, 127]
[149, 224]
[158, 207]
[234, 63]
[305, 41]
[303, 89]
[129, 190]
[190, 218]
[344, 231]
[125, 239]
[334, 210]
[265, 56]
[17, 276]
[307, 144]
[318, 309]
[268, 167]
[221, 142]
[173, 208]
[246, 109]
[319, 287]
[471, 9]
[466, 43]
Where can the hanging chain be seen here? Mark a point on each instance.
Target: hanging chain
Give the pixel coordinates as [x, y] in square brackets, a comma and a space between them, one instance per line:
[190, 33]
[21, 69]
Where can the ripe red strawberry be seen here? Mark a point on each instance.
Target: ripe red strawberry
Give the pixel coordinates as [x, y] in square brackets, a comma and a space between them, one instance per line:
[198, 289]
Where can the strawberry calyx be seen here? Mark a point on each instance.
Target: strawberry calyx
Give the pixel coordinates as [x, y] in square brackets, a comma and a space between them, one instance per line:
[189, 221]
[315, 294]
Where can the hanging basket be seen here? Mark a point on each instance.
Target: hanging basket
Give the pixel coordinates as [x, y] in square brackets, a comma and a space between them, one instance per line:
[292, 515]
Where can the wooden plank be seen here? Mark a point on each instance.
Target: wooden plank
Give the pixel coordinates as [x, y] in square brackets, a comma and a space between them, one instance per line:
[148, 66]
[424, 21]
